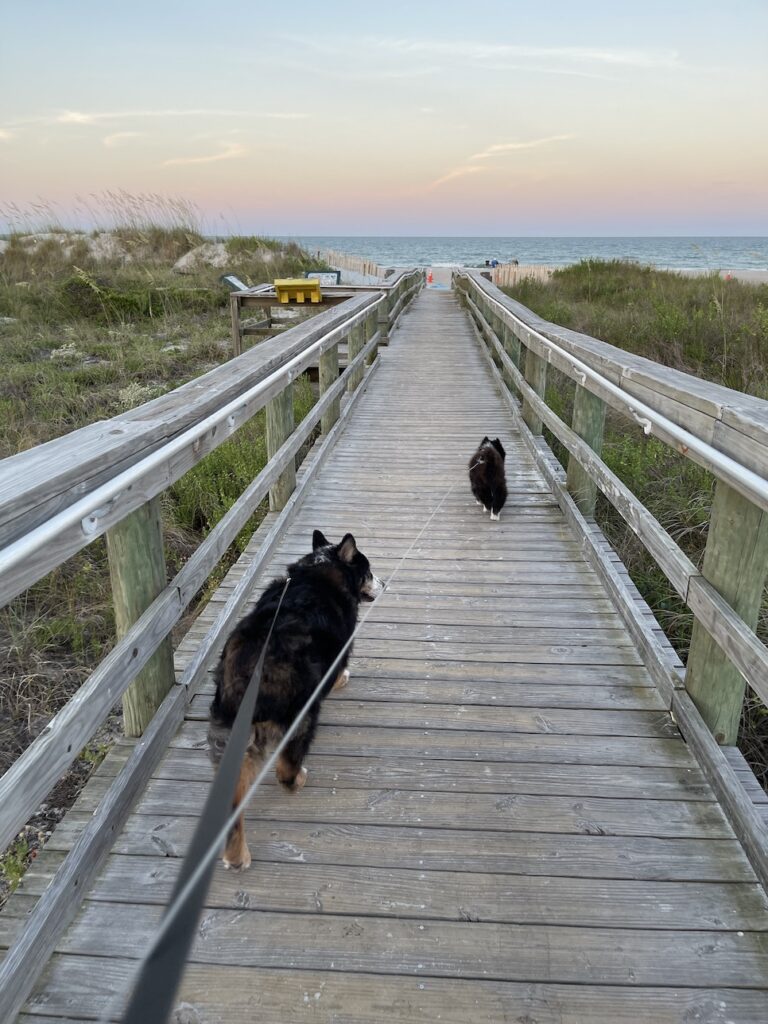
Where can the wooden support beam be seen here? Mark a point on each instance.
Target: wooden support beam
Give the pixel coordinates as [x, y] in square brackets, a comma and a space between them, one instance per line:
[355, 342]
[371, 327]
[137, 572]
[384, 307]
[280, 424]
[328, 375]
[536, 374]
[237, 338]
[511, 344]
[588, 422]
[736, 564]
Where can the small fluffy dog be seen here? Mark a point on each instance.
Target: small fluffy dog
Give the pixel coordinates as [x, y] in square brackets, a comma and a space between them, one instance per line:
[317, 617]
[486, 476]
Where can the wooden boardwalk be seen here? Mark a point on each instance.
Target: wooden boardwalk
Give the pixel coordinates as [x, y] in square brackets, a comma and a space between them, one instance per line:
[501, 821]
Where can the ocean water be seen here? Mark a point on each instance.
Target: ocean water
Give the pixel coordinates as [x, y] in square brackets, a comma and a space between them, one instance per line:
[716, 253]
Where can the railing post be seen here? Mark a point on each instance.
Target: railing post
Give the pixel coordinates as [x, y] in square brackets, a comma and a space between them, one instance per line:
[137, 572]
[511, 344]
[329, 374]
[237, 337]
[588, 422]
[735, 563]
[384, 309]
[536, 374]
[371, 326]
[280, 424]
[355, 343]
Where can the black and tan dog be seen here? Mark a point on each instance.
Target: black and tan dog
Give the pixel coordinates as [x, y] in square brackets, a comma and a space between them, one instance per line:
[317, 617]
[486, 476]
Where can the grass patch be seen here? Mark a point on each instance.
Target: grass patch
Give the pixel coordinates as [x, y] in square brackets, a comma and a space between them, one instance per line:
[14, 863]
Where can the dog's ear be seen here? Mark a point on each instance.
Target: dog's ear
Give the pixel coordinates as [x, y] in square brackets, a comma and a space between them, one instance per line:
[484, 441]
[319, 540]
[347, 549]
[499, 447]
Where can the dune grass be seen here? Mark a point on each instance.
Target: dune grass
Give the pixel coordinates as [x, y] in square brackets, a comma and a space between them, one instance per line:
[714, 329]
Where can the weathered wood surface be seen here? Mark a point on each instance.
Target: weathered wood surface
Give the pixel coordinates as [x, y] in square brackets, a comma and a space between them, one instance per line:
[588, 422]
[286, 997]
[279, 427]
[138, 575]
[501, 822]
[735, 564]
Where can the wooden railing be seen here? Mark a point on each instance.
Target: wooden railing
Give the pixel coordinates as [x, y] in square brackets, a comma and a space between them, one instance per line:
[107, 479]
[721, 430]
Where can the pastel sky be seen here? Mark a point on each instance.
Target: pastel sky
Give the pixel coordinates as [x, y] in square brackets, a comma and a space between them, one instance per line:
[594, 117]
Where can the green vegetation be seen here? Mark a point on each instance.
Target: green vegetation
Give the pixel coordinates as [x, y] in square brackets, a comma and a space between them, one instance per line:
[706, 326]
[13, 864]
[92, 324]
[714, 329]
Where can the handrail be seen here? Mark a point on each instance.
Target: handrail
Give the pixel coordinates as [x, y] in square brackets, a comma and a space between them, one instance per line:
[722, 623]
[45, 546]
[733, 422]
[37, 483]
[26, 560]
[722, 465]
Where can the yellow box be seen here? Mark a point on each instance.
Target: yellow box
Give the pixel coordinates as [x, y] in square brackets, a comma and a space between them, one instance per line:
[300, 289]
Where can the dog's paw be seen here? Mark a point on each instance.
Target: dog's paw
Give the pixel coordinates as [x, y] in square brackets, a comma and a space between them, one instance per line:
[485, 509]
[241, 863]
[341, 680]
[495, 518]
[478, 502]
[300, 780]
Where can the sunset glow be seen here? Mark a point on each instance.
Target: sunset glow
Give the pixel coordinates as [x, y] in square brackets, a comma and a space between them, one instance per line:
[436, 118]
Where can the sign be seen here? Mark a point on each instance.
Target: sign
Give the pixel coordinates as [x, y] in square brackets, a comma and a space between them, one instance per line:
[324, 276]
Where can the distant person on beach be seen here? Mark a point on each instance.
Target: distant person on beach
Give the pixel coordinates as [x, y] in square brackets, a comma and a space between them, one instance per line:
[515, 263]
[494, 263]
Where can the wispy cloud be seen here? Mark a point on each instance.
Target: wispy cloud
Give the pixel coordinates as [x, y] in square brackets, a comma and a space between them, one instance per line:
[5, 136]
[482, 52]
[459, 172]
[81, 117]
[508, 147]
[231, 151]
[116, 138]
[75, 117]
[496, 149]
[78, 117]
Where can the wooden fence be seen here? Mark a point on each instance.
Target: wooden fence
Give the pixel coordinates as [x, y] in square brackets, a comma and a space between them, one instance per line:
[346, 261]
[506, 275]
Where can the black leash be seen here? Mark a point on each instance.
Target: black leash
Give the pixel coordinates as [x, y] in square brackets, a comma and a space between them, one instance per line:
[158, 980]
[160, 972]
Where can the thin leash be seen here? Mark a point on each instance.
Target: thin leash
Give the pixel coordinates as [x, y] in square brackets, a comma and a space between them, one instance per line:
[197, 879]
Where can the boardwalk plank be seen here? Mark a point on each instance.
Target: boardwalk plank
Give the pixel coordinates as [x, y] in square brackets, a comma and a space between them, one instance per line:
[528, 853]
[285, 997]
[438, 949]
[435, 895]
